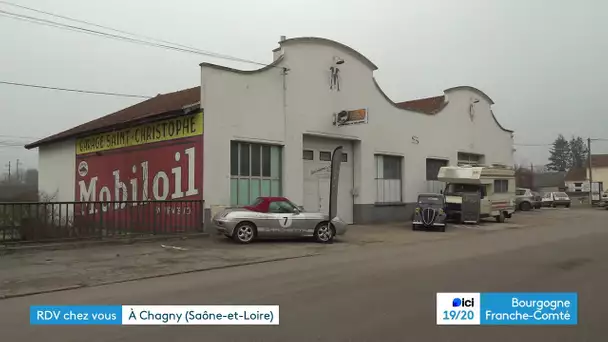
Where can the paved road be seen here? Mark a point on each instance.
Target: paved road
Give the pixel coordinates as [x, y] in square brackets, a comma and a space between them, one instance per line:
[379, 293]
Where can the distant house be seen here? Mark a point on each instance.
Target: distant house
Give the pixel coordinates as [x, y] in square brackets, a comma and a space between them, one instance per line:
[576, 180]
[549, 181]
[599, 167]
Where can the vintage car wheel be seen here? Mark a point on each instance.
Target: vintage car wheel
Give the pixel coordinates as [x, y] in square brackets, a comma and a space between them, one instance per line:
[324, 232]
[245, 232]
[414, 227]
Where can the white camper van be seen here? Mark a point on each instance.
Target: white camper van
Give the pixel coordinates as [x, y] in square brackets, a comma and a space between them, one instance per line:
[495, 184]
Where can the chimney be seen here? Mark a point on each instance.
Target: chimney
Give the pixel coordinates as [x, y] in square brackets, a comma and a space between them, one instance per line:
[278, 51]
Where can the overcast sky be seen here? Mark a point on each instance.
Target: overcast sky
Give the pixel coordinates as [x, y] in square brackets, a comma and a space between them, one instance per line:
[543, 62]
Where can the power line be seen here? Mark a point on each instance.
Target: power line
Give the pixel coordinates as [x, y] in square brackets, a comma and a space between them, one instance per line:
[176, 47]
[16, 136]
[214, 54]
[76, 90]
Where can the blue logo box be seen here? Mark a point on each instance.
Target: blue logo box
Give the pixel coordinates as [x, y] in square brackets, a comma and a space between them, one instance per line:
[532, 308]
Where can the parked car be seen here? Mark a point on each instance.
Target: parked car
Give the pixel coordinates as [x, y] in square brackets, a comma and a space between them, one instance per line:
[556, 199]
[525, 199]
[274, 217]
[430, 213]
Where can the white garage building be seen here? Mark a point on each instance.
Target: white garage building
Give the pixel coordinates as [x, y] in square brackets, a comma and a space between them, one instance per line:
[271, 132]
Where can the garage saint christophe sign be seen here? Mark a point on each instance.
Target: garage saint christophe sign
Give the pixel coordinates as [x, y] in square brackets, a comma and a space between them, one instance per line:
[170, 129]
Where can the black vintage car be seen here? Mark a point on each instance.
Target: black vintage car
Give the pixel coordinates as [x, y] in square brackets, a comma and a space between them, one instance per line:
[430, 213]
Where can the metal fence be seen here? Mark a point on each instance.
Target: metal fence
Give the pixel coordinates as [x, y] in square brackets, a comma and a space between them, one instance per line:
[56, 221]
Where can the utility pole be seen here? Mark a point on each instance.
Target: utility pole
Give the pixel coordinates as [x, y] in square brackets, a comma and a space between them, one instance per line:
[590, 171]
[17, 171]
[532, 176]
[9, 171]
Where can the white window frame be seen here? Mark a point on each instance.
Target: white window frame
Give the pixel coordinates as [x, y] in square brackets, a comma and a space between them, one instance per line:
[388, 190]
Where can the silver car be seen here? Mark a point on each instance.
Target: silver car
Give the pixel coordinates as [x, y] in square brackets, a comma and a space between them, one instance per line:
[525, 199]
[276, 217]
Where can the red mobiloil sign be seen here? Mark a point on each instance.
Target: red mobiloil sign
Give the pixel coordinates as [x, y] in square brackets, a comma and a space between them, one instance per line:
[159, 161]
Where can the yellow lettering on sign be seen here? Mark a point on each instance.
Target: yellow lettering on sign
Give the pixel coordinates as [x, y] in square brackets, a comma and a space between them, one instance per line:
[170, 129]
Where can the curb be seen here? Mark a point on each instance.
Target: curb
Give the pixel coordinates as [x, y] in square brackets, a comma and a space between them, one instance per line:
[8, 249]
[80, 286]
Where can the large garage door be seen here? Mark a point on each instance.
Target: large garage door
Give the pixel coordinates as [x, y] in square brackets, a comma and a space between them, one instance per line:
[317, 161]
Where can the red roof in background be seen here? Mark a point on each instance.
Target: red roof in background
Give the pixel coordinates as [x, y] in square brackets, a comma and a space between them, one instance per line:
[429, 105]
[576, 174]
[599, 160]
[160, 104]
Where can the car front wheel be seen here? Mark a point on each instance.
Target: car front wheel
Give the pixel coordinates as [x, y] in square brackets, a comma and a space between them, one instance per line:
[324, 232]
[525, 206]
[244, 233]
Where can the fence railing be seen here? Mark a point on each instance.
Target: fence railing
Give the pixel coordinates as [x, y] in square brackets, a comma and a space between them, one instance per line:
[52, 221]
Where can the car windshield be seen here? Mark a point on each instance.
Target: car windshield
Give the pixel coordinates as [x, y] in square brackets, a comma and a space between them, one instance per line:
[430, 200]
[281, 207]
[561, 194]
[520, 192]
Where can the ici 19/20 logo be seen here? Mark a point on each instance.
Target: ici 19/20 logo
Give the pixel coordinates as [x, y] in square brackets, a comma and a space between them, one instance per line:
[463, 303]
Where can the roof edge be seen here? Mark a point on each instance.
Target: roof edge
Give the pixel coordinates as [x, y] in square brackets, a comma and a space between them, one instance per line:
[120, 125]
[354, 52]
[498, 123]
[473, 89]
[444, 103]
[486, 97]
[396, 104]
[244, 72]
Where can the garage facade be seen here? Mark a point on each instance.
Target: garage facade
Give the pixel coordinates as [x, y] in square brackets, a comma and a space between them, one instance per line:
[319, 94]
[271, 132]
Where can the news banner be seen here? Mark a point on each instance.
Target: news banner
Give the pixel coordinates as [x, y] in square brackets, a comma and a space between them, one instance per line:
[155, 315]
[500, 308]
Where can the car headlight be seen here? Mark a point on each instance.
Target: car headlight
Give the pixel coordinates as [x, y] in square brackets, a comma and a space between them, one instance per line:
[417, 210]
[441, 212]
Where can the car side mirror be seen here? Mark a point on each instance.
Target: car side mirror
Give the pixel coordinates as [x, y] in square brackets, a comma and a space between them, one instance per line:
[296, 211]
